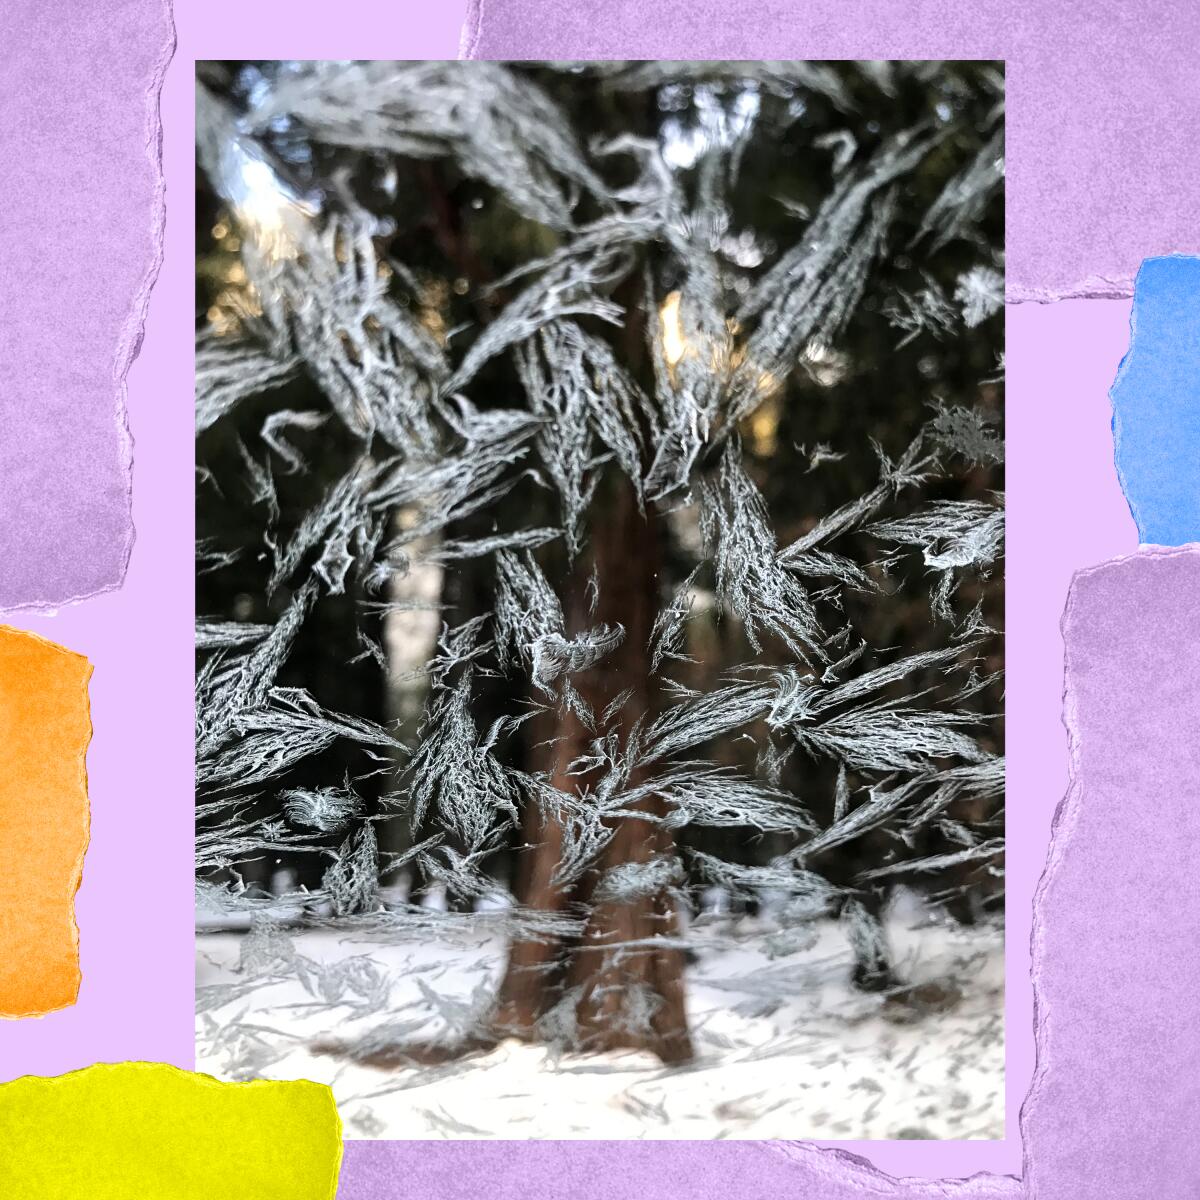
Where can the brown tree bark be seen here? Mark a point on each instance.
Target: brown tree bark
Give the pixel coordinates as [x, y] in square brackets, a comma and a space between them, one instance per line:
[629, 985]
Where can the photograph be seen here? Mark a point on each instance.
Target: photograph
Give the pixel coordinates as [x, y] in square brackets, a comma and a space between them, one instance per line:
[600, 522]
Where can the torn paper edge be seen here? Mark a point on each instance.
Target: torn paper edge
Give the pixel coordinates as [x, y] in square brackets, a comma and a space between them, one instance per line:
[472, 30]
[1094, 287]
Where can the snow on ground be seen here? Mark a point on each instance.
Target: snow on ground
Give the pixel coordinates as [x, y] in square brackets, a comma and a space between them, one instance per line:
[785, 1047]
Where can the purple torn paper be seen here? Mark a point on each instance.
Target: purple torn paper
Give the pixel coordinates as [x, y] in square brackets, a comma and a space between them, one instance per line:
[81, 213]
[1102, 101]
[1117, 924]
[636, 1170]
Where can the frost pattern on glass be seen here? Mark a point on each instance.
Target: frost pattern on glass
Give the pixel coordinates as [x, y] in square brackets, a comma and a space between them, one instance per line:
[551, 407]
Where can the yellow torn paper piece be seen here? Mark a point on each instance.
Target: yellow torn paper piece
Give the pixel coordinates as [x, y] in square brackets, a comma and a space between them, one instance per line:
[44, 732]
[147, 1131]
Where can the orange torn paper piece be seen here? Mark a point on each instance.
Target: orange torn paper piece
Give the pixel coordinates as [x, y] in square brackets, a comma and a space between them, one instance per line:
[45, 728]
[147, 1131]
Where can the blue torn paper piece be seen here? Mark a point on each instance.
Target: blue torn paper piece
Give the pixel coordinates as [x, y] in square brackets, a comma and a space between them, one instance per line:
[1156, 403]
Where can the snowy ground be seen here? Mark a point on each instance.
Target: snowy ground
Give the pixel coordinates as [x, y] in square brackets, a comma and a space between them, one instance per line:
[786, 1048]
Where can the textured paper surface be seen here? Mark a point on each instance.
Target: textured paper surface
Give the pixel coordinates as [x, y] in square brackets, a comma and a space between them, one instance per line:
[145, 1131]
[81, 208]
[1156, 403]
[1116, 967]
[1102, 101]
[44, 733]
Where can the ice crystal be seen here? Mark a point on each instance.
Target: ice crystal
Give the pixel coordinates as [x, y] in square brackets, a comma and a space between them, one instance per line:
[981, 293]
[751, 578]
[967, 432]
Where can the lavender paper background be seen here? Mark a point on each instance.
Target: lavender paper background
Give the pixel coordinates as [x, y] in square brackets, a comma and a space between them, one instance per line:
[1103, 100]
[67, 69]
[1066, 512]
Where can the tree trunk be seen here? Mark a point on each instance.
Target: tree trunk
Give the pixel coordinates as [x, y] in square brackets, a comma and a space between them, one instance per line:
[628, 990]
